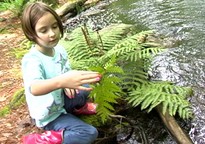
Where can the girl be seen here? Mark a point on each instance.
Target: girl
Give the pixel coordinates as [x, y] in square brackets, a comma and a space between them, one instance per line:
[53, 91]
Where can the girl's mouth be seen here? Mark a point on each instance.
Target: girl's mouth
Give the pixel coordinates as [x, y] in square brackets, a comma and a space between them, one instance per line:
[53, 41]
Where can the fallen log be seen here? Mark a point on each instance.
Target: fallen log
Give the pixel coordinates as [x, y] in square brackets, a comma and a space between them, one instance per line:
[174, 129]
[69, 6]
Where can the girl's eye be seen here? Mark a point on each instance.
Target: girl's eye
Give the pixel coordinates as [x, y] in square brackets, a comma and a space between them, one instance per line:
[55, 26]
[43, 31]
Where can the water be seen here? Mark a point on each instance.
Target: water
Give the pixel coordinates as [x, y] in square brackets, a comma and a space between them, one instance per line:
[182, 22]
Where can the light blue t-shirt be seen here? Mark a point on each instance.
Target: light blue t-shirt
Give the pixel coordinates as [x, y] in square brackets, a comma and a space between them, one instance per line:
[36, 65]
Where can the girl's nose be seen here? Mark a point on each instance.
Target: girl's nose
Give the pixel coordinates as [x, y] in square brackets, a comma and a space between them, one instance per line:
[51, 33]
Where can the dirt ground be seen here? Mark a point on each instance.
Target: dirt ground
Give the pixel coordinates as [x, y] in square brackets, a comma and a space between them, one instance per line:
[16, 124]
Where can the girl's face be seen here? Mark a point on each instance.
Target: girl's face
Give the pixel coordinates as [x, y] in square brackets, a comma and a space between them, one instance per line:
[48, 32]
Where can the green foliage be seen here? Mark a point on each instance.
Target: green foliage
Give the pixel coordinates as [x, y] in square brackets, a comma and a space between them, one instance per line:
[15, 6]
[4, 111]
[52, 3]
[132, 49]
[79, 8]
[82, 43]
[122, 55]
[172, 98]
[18, 99]
[22, 49]
[3, 30]
[106, 92]
[135, 75]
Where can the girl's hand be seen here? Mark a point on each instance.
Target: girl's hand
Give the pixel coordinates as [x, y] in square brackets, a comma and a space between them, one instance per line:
[75, 79]
[71, 79]
[71, 93]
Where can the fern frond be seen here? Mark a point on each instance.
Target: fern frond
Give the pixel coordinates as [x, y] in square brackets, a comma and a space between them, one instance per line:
[112, 36]
[148, 100]
[107, 91]
[122, 58]
[81, 45]
[171, 102]
[127, 45]
[165, 106]
[134, 96]
[134, 77]
[104, 97]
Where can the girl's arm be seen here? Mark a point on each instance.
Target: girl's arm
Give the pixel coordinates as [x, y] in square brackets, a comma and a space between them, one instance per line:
[71, 79]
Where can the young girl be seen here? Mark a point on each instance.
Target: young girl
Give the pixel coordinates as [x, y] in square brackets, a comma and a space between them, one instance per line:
[54, 91]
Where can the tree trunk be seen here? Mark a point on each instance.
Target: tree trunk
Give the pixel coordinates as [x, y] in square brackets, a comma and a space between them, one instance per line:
[175, 130]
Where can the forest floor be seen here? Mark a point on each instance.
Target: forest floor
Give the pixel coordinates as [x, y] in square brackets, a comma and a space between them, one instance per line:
[17, 123]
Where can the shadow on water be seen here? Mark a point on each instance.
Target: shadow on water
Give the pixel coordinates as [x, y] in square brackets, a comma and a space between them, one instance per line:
[181, 22]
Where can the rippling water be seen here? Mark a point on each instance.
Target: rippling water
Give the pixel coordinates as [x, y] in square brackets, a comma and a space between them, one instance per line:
[182, 22]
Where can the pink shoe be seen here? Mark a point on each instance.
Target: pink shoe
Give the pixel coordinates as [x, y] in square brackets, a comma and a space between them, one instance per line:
[48, 137]
[88, 109]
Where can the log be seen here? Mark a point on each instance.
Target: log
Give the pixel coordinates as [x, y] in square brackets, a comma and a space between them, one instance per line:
[69, 6]
[174, 129]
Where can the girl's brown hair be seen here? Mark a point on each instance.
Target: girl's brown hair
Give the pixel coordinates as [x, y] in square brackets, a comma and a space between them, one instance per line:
[31, 14]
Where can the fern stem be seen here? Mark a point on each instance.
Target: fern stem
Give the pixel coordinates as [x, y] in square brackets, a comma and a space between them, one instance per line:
[85, 33]
[101, 42]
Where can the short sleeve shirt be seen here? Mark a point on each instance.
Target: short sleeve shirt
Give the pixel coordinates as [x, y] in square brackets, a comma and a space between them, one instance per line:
[37, 66]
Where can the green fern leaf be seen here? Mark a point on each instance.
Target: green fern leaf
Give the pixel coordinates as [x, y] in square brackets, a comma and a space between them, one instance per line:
[132, 96]
[137, 98]
[155, 104]
[170, 105]
[147, 101]
[114, 69]
[175, 108]
[164, 106]
[123, 60]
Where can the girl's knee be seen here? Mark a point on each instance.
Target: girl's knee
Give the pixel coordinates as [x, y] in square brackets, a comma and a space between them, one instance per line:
[86, 135]
[93, 132]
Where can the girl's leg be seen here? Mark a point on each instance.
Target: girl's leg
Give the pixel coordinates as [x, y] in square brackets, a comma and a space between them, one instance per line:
[77, 102]
[75, 130]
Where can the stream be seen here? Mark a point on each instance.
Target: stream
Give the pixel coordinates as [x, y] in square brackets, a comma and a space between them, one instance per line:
[181, 22]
